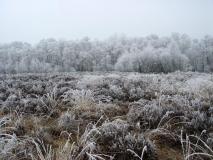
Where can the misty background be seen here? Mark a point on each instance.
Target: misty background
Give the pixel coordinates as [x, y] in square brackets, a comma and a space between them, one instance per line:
[33, 20]
[146, 36]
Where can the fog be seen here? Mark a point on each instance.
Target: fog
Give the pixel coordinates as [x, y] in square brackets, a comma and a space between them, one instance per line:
[33, 20]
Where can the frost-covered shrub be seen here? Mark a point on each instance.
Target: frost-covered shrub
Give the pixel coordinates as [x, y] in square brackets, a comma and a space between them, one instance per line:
[11, 146]
[103, 99]
[13, 98]
[175, 103]
[148, 114]
[136, 93]
[9, 105]
[91, 81]
[32, 105]
[67, 121]
[3, 96]
[76, 97]
[38, 89]
[134, 87]
[116, 92]
[116, 139]
[7, 146]
[201, 121]
[201, 86]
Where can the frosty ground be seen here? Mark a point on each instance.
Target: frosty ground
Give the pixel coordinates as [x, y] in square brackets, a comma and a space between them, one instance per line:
[100, 116]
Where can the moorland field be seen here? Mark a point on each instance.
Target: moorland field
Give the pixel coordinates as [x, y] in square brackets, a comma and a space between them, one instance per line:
[115, 115]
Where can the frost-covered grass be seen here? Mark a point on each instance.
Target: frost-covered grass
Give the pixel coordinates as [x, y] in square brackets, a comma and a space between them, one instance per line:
[77, 116]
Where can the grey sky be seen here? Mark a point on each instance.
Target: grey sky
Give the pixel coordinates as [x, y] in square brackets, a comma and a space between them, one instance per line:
[33, 20]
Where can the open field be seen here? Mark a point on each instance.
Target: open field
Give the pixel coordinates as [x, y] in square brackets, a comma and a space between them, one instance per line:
[121, 116]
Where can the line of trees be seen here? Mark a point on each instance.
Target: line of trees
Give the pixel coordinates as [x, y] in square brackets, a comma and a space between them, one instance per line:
[117, 53]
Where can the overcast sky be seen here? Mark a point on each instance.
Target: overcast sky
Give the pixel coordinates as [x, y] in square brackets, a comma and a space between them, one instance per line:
[33, 20]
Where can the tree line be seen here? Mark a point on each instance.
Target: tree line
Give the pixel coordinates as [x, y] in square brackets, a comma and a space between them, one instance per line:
[118, 53]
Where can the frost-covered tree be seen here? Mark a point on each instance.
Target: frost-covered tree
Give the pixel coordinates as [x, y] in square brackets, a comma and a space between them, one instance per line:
[139, 54]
